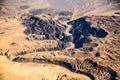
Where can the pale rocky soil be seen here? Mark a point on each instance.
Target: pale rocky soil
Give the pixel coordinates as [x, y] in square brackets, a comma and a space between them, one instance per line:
[32, 71]
[13, 41]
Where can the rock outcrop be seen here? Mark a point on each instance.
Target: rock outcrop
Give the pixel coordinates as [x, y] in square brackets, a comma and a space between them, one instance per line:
[81, 30]
[40, 29]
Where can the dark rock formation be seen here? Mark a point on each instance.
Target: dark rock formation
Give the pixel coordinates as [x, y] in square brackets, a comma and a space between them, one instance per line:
[40, 29]
[81, 30]
[51, 29]
[97, 54]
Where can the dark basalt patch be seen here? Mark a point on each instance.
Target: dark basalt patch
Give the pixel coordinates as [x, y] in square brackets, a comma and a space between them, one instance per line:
[97, 32]
[50, 29]
[81, 30]
[40, 29]
[97, 54]
[53, 30]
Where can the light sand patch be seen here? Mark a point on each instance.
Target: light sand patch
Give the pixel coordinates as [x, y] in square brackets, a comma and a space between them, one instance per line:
[34, 71]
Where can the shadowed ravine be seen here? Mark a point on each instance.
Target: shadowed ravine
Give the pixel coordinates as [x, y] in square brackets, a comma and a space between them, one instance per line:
[86, 67]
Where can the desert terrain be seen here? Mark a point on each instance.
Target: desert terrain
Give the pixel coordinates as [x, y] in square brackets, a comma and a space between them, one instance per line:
[44, 42]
